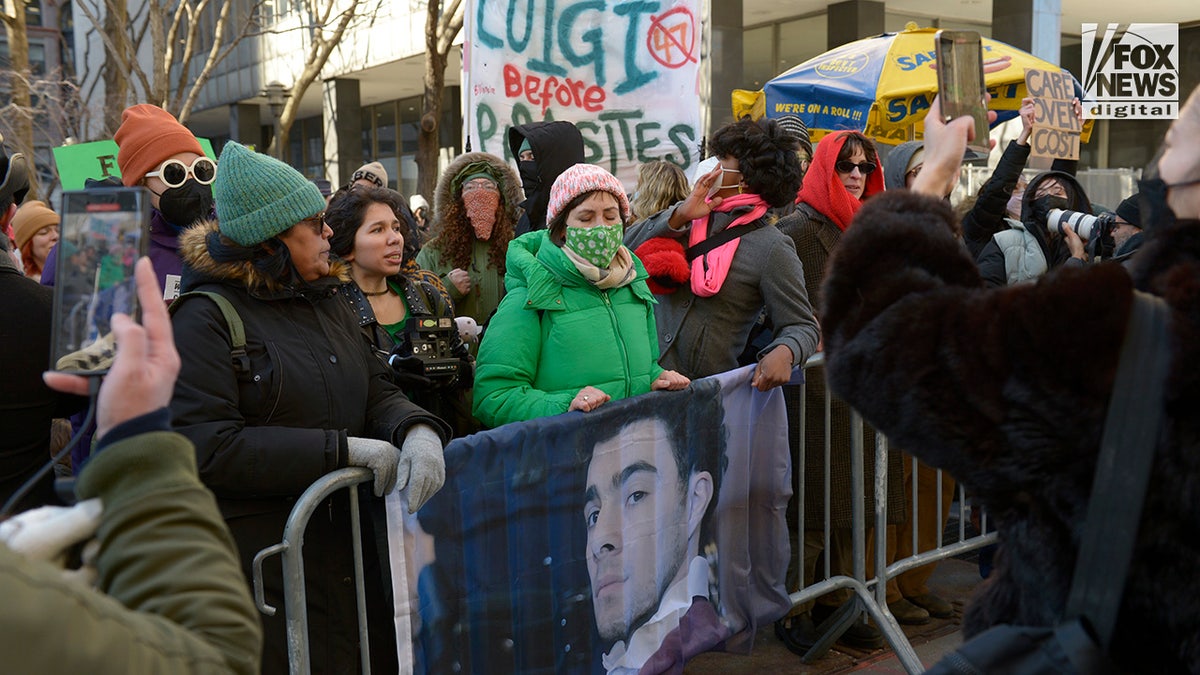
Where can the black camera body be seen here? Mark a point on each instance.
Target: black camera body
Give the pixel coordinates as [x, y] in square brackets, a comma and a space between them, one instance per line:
[431, 341]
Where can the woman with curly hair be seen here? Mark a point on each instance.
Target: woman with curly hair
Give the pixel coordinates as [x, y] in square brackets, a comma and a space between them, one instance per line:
[475, 209]
[660, 185]
[737, 265]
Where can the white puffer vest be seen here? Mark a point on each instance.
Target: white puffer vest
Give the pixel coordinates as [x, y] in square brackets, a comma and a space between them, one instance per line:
[1023, 256]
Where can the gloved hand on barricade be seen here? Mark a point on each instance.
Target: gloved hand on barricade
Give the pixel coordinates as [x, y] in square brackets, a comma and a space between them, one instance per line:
[380, 457]
[422, 465]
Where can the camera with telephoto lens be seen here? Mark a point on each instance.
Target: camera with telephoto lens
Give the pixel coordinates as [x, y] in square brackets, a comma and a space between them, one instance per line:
[1088, 227]
[431, 341]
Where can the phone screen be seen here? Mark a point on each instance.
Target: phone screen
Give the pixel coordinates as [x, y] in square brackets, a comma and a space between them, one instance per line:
[102, 235]
[960, 81]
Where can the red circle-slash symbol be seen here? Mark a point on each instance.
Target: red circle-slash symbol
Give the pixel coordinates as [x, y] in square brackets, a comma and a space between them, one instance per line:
[672, 38]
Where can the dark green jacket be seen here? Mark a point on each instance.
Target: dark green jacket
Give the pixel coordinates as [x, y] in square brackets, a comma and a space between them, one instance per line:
[172, 597]
[487, 283]
[555, 333]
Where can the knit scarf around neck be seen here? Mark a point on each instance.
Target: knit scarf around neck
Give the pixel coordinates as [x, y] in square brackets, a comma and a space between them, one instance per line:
[620, 271]
[823, 190]
[709, 270]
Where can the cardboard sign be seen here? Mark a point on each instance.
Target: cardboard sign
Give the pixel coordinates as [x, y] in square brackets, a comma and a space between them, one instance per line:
[1056, 129]
[77, 163]
[626, 74]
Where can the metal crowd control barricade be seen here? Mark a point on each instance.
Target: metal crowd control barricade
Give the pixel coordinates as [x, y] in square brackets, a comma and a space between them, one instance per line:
[291, 550]
[870, 593]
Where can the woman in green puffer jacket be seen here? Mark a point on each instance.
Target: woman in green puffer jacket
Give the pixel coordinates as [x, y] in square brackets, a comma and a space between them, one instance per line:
[576, 328]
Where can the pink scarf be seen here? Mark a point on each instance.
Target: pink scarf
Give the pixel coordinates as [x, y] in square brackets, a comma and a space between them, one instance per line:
[709, 270]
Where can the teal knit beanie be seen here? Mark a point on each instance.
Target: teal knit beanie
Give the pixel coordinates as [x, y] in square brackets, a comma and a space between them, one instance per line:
[259, 197]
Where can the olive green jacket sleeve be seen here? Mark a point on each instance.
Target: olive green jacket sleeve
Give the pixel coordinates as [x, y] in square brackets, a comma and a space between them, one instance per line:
[173, 598]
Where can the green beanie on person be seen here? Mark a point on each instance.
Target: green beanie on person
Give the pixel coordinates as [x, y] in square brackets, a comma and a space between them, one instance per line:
[259, 197]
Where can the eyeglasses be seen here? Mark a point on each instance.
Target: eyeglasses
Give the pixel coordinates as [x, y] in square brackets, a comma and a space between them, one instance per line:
[174, 173]
[480, 184]
[316, 222]
[846, 166]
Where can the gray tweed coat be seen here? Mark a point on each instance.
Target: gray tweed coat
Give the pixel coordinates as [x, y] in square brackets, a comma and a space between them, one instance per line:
[701, 336]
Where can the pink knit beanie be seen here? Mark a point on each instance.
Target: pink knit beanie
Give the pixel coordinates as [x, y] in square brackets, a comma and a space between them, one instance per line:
[581, 179]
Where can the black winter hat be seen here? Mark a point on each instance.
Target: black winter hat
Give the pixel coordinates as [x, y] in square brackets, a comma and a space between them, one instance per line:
[1129, 211]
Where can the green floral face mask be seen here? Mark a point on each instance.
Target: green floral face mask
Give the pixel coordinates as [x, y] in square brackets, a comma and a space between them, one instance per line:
[596, 245]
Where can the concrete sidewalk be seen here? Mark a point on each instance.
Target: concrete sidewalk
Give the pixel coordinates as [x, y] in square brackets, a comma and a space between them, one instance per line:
[954, 580]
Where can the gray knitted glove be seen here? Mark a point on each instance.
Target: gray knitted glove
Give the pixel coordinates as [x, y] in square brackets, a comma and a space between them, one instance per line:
[422, 466]
[380, 457]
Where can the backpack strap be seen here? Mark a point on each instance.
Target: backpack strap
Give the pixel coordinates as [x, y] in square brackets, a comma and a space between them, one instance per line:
[1127, 447]
[237, 330]
[723, 237]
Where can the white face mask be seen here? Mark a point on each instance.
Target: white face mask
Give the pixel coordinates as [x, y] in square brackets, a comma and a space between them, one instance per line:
[720, 184]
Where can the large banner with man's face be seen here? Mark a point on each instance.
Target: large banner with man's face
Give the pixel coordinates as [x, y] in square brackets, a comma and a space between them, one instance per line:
[634, 536]
[626, 73]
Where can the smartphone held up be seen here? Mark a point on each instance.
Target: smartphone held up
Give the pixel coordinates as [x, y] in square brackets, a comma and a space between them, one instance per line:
[961, 88]
[103, 234]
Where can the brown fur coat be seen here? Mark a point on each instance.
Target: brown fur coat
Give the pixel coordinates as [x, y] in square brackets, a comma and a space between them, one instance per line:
[1007, 390]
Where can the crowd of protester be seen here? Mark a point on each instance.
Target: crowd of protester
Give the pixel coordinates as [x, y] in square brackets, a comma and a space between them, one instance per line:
[377, 327]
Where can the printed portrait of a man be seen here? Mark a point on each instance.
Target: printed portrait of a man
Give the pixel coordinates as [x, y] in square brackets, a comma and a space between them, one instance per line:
[651, 487]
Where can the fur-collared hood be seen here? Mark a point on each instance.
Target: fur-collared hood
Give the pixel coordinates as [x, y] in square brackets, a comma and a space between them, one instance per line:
[199, 267]
[510, 184]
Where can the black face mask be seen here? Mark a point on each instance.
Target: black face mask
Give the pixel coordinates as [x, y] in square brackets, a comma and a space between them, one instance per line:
[530, 180]
[1042, 206]
[186, 204]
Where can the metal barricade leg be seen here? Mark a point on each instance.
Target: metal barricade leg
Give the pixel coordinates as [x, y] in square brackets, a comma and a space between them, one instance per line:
[292, 549]
[869, 595]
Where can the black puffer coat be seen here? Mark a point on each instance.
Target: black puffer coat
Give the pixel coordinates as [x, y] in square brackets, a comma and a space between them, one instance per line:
[264, 437]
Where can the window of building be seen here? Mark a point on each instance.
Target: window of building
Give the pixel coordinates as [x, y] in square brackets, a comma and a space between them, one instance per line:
[390, 136]
[37, 56]
[775, 48]
[801, 40]
[758, 55]
[306, 147]
[33, 14]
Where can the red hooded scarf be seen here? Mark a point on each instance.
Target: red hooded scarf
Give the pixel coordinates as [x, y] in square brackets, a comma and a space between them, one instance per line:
[823, 190]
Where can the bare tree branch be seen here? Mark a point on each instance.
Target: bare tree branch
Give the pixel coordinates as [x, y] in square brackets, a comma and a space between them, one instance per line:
[321, 45]
[216, 54]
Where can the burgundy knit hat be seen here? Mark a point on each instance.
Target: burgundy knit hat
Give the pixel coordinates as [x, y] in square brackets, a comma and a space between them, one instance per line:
[582, 179]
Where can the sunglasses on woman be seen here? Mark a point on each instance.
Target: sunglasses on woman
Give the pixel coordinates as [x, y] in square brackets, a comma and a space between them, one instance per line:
[316, 222]
[846, 166]
[174, 173]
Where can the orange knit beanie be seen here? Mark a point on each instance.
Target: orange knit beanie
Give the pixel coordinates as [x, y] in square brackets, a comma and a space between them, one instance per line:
[148, 136]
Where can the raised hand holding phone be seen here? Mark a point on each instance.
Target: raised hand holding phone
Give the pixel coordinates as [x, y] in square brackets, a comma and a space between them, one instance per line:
[961, 87]
[945, 144]
[142, 377]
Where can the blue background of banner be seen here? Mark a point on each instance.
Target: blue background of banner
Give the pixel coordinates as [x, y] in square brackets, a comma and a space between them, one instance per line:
[509, 591]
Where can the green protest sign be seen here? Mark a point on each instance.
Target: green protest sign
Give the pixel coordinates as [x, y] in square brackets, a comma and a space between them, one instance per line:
[76, 163]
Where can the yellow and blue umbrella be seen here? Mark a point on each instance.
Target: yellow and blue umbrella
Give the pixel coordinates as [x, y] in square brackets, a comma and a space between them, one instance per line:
[883, 85]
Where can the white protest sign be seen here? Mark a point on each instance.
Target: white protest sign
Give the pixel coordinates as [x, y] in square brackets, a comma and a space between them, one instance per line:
[626, 73]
